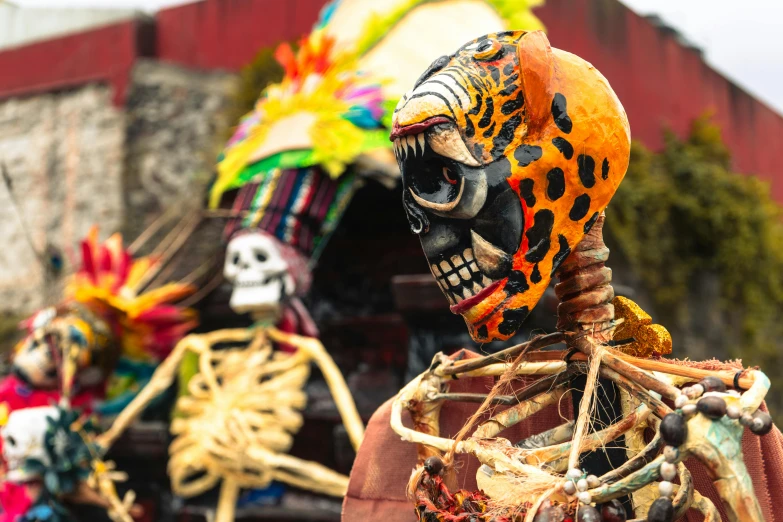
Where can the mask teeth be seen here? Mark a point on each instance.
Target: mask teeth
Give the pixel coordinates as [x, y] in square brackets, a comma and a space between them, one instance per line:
[459, 277]
[410, 145]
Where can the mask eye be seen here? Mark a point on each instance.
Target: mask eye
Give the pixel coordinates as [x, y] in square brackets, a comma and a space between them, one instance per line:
[488, 50]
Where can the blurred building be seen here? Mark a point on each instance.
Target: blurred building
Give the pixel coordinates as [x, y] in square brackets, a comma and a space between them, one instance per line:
[109, 117]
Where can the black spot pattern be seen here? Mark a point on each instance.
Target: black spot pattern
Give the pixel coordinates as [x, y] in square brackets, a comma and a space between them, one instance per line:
[512, 320]
[527, 154]
[535, 275]
[495, 73]
[517, 283]
[560, 114]
[590, 222]
[564, 146]
[470, 130]
[580, 208]
[562, 253]
[511, 79]
[538, 235]
[476, 106]
[508, 90]
[505, 136]
[586, 170]
[555, 187]
[482, 331]
[486, 119]
[526, 190]
[513, 105]
[436, 66]
[605, 168]
[490, 131]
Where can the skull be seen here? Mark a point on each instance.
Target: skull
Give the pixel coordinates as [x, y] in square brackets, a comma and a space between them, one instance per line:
[23, 438]
[33, 361]
[260, 274]
[509, 150]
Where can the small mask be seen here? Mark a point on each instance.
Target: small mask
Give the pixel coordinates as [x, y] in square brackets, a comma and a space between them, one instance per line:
[509, 150]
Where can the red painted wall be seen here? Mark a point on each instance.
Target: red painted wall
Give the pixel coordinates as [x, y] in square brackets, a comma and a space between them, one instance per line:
[106, 55]
[661, 83]
[227, 34]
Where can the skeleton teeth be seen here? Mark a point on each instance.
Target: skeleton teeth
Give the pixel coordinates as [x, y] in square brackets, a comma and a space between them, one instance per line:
[453, 279]
[464, 274]
[477, 287]
[435, 270]
[486, 281]
[468, 255]
[444, 265]
[456, 261]
[468, 292]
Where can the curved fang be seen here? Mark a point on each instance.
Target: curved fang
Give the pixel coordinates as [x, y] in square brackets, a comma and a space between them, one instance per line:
[440, 207]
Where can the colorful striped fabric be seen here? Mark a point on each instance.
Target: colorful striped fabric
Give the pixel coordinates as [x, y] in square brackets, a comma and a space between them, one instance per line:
[300, 207]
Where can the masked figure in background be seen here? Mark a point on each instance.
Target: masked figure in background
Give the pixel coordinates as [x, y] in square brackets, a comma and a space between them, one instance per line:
[104, 321]
[70, 358]
[506, 176]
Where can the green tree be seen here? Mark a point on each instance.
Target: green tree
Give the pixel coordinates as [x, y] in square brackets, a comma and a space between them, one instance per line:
[684, 210]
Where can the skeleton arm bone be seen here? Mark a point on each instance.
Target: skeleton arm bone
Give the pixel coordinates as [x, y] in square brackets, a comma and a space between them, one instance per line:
[334, 379]
[162, 378]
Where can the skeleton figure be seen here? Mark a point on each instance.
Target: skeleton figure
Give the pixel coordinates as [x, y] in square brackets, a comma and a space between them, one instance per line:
[261, 276]
[242, 411]
[23, 438]
[510, 150]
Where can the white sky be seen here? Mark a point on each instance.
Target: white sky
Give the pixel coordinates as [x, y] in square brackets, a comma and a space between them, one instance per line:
[741, 39]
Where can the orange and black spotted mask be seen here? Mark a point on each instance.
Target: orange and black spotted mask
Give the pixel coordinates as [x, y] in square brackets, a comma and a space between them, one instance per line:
[509, 150]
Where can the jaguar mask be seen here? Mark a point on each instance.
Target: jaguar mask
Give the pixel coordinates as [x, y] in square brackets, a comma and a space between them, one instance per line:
[509, 150]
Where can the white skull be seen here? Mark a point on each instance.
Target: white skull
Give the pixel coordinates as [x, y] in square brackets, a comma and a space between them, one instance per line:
[259, 274]
[23, 438]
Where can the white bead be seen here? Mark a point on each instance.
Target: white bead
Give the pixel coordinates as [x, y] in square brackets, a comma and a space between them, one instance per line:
[671, 454]
[574, 473]
[698, 389]
[689, 409]
[593, 481]
[746, 419]
[733, 412]
[585, 497]
[668, 471]
[569, 487]
[757, 424]
[680, 401]
[666, 488]
[581, 485]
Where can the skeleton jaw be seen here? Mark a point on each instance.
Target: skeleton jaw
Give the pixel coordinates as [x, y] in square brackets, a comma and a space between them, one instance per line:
[260, 297]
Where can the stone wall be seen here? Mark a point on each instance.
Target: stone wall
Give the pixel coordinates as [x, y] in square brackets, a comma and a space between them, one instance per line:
[74, 159]
[63, 153]
[175, 125]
